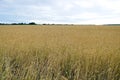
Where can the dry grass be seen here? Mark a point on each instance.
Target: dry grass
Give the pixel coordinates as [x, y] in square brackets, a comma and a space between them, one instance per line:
[59, 53]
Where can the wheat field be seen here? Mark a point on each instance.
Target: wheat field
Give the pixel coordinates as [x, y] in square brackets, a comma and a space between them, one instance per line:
[59, 52]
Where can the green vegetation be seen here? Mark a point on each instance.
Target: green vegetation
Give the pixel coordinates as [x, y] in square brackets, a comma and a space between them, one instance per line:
[34, 52]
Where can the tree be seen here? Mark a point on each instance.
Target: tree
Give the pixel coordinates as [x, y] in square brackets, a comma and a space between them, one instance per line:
[32, 23]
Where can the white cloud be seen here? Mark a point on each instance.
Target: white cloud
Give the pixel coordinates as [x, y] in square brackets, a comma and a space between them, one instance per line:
[86, 15]
[63, 11]
[102, 21]
[84, 3]
[112, 5]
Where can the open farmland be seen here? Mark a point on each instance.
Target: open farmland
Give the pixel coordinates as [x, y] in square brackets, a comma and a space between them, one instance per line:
[59, 52]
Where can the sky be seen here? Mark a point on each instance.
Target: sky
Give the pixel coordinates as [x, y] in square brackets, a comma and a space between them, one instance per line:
[60, 11]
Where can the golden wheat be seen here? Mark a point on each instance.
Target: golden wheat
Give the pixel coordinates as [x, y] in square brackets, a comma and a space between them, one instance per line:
[59, 52]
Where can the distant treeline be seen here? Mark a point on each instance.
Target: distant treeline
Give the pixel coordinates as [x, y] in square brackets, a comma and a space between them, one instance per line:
[112, 24]
[31, 23]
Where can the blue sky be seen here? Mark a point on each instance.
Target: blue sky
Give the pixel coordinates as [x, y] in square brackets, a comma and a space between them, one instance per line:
[61, 11]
